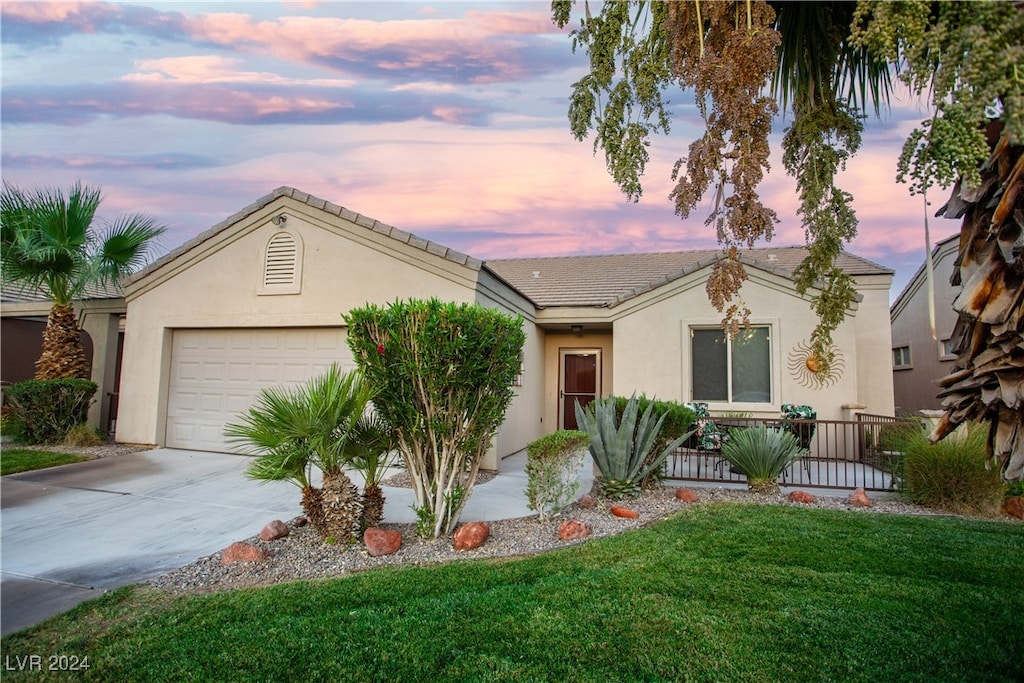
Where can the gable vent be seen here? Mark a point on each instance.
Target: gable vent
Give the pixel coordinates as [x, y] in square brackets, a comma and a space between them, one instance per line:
[282, 265]
[279, 268]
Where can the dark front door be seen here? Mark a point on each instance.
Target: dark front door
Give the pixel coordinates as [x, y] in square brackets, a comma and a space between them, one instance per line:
[580, 383]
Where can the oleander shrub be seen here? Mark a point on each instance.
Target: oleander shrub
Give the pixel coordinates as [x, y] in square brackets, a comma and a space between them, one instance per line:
[552, 470]
[443, 373]
[624, 447]
[952, 475]
[49, 408]
[761, 454]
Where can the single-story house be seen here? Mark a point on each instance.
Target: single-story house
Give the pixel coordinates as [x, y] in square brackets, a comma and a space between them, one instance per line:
[918, 358]
[257, 300]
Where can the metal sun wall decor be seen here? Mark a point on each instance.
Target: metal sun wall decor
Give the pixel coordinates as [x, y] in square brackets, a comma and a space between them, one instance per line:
[810, 370]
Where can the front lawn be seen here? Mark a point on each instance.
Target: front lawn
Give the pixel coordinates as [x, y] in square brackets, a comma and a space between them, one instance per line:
[23, 460]
[723, 592]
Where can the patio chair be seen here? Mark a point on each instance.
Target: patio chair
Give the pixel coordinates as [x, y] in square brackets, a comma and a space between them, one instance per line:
[707, 440]
[803, 431]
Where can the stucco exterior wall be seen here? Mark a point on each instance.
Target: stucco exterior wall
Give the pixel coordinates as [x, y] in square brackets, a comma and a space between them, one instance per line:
[652, 345]
[215, 284]
[915, 387]
[554, 344]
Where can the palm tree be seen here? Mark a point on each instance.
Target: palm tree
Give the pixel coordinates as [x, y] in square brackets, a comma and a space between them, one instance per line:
[50, 245]
[293, 430]
[371, 452]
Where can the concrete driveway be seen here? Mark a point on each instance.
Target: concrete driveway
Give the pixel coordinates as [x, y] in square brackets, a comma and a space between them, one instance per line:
[71, 533]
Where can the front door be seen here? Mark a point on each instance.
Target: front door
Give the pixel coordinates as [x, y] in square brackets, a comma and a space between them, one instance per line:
[581, 382]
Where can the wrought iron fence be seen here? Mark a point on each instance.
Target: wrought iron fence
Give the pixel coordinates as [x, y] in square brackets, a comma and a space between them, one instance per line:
[844, 454]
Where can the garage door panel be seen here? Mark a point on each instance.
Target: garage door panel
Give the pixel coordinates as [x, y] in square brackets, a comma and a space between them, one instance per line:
[218, 374]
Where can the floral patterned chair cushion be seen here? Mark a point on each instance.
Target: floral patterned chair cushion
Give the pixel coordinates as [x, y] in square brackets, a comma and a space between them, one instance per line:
[803, 432]
[707, 437]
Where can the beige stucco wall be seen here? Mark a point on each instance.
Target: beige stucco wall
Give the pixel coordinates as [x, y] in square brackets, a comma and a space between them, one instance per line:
[215, 284]
[554, 344]
[652, 345]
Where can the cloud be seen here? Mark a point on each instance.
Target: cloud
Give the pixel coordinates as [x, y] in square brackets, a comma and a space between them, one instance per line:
[234, 103]
[214, 69]
[479, 47]
[100, 162]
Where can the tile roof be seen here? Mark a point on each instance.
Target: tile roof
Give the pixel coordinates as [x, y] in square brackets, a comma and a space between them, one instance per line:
[19, 293]
[608, 280]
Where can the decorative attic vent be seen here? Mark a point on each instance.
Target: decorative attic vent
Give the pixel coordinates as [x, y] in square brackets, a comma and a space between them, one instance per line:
[282, 265]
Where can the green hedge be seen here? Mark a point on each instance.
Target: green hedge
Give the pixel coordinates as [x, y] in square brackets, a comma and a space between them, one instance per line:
[48, 409]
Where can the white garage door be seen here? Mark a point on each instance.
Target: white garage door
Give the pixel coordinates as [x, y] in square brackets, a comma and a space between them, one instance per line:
[217, 374]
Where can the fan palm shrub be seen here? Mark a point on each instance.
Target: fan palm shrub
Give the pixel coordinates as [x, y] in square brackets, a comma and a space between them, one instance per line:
[51, 245]
[762, 454]
[293, 430]
[371, 451]
[624, 453]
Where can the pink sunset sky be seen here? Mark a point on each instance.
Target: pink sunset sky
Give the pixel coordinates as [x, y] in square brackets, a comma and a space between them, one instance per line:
[447, 120]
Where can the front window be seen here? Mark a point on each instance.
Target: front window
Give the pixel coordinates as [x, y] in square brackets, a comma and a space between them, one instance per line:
[733, 371]
[901, 357]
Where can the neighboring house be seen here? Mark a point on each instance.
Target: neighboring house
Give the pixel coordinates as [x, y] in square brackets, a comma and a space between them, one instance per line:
[100, 316]
[918, 358]
[257, 301]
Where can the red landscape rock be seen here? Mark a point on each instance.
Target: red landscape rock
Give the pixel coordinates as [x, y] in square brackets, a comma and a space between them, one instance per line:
[471, 535]
[273, 531]
[587, 501]
[1014, 507]
[859, 498]
[801, 497]
[572, 530]
[381, 541]
[624, 512]
[242, 552]
[686, 495]
[299, 521]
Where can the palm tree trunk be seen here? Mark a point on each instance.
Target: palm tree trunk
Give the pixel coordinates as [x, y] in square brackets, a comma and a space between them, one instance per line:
[373, 506]
[988, 374]
[342, 507]
[63, 355]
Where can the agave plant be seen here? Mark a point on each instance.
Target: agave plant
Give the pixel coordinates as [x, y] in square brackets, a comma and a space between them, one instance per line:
[624, 453]
[761, 454]
[371, 451]
[293, 430]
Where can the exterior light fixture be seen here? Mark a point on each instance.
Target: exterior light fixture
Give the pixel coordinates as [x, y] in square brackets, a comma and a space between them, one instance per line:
[279, 219]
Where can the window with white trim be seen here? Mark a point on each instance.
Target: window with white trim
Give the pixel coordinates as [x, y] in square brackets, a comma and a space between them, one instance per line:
[282, 265]
[736, 370]
[901, 357]
[946, 350]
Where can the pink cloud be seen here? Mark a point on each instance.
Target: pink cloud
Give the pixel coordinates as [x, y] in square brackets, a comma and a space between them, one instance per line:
[214, 69]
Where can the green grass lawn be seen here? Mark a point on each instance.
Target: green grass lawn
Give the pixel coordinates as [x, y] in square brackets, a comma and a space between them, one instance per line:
[16, 460]
[716, 593]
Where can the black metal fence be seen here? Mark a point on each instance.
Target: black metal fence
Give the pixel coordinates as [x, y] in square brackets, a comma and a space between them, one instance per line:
[841, 454]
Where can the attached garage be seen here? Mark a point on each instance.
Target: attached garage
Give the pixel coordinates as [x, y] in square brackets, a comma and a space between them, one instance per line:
[218, 373]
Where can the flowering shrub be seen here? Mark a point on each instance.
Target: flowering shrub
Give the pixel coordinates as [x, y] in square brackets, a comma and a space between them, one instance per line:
[443, 375]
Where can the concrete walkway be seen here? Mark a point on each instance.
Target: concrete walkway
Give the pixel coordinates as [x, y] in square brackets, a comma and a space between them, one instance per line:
[69, 534]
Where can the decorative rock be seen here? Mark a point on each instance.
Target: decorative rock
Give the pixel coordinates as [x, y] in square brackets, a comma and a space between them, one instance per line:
[573, 530]
[1014, 507]
[624, 512]
[587, 501]
[273, 531]
[299, 521]
[381, 541]
[802, 497]
[242, 552]
[686, 495]
[471, 535]
[859, 498]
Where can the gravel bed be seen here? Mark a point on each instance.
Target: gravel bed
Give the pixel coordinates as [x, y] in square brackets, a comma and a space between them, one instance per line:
[302, 555]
